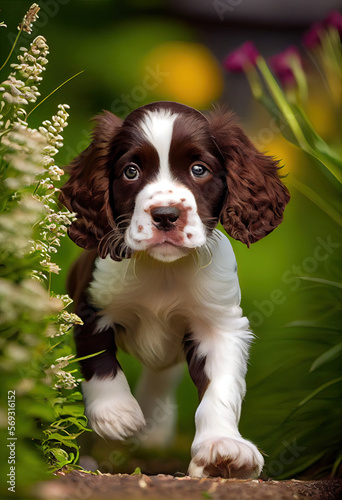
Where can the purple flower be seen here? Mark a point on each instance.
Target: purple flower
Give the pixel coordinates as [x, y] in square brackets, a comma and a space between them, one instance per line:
[282, 66]
[242, 58]
[312, 38]
[334, 19]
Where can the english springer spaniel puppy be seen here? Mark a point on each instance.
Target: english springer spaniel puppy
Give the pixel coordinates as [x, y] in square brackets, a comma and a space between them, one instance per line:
[159, 281]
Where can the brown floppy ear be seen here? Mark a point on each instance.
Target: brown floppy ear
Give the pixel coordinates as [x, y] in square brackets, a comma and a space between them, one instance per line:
[256, 197]
[87, 190]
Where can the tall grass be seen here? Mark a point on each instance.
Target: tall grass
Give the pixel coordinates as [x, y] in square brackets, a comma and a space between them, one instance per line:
[303, 379]
[38, 377]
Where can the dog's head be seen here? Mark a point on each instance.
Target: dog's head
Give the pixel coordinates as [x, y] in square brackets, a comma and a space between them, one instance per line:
[160, 181]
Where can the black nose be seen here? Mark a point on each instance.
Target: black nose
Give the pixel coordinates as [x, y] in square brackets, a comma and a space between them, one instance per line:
[165, 217]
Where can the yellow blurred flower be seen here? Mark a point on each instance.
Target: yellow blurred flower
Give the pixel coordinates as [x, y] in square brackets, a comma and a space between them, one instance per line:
[321, 114]
[284, 151]
[194, 76]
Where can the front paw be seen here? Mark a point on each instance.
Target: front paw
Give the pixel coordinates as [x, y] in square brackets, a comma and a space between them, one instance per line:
[117, 419]
[225, 457]
[111, 409]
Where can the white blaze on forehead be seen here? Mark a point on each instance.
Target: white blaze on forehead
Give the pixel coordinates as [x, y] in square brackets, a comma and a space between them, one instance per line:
[158, 129]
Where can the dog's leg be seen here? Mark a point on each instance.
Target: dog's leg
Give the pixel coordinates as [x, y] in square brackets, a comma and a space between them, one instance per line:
[156, 393]
[217, 364]
[109, 405]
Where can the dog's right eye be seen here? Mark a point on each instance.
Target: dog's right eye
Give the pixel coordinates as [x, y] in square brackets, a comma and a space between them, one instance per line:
[131, 172]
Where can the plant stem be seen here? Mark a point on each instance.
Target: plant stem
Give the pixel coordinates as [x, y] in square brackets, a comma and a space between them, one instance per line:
[282, 103]
[55, 90]
[254, 82]
[13, 47]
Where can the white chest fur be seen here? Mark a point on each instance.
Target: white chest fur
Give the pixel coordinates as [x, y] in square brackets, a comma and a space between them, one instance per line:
[154, 304]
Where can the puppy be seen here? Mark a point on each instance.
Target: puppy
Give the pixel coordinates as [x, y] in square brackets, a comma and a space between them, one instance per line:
[159, 281]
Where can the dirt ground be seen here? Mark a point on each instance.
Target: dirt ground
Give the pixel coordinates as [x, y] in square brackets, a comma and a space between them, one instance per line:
[79, 485]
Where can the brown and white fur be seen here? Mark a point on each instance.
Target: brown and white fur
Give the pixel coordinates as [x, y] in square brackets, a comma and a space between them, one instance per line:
[159, 281]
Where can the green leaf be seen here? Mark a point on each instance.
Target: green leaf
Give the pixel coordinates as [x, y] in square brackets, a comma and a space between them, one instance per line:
[79, 422]
[318, 390]
[311, 324]
[61, 456]
[336, 465]
[136, 472]
[59, 453]
[282, 104]
[297, 129]
[302, 466]
[75, 396]
[322, 281]
[316, 199]
[328, 355]
[314, 140]
[70, 409]
[67, 440]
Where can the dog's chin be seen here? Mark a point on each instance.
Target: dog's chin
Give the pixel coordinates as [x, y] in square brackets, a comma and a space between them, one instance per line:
[167, 252]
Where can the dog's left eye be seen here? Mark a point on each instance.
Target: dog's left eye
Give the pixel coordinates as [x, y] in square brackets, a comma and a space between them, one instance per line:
[131, 172]
[199, 171]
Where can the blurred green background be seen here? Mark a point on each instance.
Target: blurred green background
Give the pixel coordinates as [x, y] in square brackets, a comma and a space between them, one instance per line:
[139, 51]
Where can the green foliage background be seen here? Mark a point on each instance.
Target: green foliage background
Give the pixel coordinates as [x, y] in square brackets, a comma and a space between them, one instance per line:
[108, 40]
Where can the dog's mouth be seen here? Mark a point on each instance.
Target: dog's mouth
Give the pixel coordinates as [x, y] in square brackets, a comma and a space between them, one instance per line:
[175, 242]
[166, 244]
[167, 251]
[166, 239]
